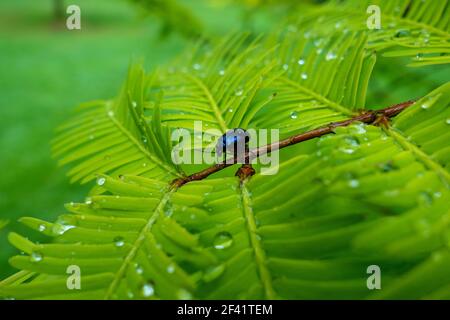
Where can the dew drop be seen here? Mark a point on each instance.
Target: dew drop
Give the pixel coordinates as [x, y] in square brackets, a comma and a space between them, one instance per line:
[294, 115]
[402, 33]
[148, 290]
[171, 268]
[352, 141]
[331, 56]
[61, 228]
[223, 240]
[111, 113]
[168, 210]
[197, 66]
[347, 150]
[424, 36]
[42, 227]
[425, 105]
[35, 257]
[88, 201]
[360, 128]
[318, 42]
[230, 110]
[301, 62]
[304, 76]
[134, 104]
[119, 242]
[139, 269]
[285, 66]
[353, 183]
[221, 72]
[101, 181]
[239, 92]
[447, 121]
[387, 167]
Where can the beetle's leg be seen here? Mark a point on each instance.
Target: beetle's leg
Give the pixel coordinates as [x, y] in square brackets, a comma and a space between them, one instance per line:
[246, 170]
[381, 121]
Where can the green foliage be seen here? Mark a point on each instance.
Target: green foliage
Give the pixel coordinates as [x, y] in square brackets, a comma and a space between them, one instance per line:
[413, 28]
[364, 195]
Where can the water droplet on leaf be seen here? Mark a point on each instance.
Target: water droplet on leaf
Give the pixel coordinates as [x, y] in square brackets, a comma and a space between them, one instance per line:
[223, 240]
[119, 242]
[101, 181]
[148, 290]
[35, 257]
[239, 92]
[139, 269]
[294, 115]
[353, 183]
[171, 268]
[330, 56]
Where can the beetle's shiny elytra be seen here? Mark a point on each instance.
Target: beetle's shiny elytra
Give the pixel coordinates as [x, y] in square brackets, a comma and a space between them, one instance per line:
[233, 142]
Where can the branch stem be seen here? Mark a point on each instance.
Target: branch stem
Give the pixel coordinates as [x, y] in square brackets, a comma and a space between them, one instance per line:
[368, 117]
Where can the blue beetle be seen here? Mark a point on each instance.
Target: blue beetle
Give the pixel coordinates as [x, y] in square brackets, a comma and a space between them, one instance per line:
[232, 142]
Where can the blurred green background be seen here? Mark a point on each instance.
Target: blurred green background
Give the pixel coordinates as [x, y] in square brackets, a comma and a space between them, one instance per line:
[46, 70]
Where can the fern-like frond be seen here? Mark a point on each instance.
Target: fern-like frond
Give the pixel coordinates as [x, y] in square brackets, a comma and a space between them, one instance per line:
[217, 85]
[423, 129]
[271, 236]
[125, 243]
[411, 28]
[112, 136]
[285, 82]
[323, 81]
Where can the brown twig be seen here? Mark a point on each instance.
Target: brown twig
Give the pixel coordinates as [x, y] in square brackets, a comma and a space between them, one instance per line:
[372, 116]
